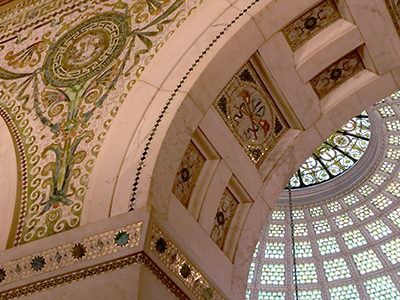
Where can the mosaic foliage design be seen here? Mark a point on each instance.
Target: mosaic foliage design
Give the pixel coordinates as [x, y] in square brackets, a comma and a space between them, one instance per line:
[250, 113]
[310, 24]
[63, 78]
[189, 170]
[223, 218]
[336, 155]
[65, 255]
[181, 267]
[337, 73]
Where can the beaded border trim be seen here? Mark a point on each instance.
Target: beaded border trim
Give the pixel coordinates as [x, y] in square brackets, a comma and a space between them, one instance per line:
[165, 108]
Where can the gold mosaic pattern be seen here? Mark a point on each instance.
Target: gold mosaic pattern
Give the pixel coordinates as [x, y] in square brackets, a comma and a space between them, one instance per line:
[60, 257]
[120, 263]
[223, 218]
[251, 114]
[189, 170]
[176, 262]
[63, 78]
[337, 73]
[308, 25]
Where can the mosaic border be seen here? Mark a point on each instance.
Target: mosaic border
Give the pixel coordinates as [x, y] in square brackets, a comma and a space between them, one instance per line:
[88, 248]
[136, 258]
[170, 255]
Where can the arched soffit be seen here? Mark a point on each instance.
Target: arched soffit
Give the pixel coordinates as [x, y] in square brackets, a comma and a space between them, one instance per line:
[311, 116]
[11, 180]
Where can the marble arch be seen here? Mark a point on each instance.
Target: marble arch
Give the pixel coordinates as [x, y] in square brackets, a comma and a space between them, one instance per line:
[257, 37]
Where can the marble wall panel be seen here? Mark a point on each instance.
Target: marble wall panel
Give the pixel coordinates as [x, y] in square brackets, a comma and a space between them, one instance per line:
[251, 114]
[337, 73]
[188, 173]
[223, 218]
[311, 23]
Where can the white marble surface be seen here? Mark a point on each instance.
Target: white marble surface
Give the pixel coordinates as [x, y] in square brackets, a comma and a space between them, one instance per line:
[8, 182]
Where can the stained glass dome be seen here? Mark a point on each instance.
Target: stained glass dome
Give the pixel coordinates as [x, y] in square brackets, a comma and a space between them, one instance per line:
[347, 245]
[336, 155]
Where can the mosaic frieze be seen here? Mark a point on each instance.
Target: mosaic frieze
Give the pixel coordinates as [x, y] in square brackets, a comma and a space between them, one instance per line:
[186, 177]
[310, 24]
[137, 258]
[62, 83]
[250, 113]
[337, 73]
[181, 267]
[223, 218]
[65, 255]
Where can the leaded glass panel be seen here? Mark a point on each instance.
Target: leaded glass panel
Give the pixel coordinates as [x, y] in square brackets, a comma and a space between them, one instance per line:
[273, 274]
[336, 269]
[367, 261]
[278, 215]
[393, 125]
[300, 229]
[354, 239]
[363, 212]
[378, 229]
[394, 188]
[276, 230]
[395, 216]
[386, 111]
[392, 250]
[350, 199]
[365, 190]
[343, 221]
[274, 250]
[271, 295]
[344, 292]
[393, 153]
[321, 226]
[387, 167]
[310, 295]
[306, 273]
[251, 273]
[334, 206]
[377, 179]
[328, 245]
[381, 202]
[303, 249]
[382, 288]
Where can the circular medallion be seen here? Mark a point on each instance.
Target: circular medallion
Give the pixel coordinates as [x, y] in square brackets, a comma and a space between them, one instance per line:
[310, 23]
[86, 50]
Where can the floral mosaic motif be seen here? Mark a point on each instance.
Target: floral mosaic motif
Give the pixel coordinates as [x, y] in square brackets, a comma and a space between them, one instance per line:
[182, 268]
[188, 173]
[250, 113]
[337, 73]
[98, 245]
[223, 218]
[121, 239]
[310, 24]
[63, 84]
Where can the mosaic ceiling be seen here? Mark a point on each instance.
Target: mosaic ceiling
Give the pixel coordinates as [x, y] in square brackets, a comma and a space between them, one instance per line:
[66, 68]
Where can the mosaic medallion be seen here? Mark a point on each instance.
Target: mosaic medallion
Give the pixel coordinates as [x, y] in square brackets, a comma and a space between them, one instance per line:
[86, 50]
[250, 113]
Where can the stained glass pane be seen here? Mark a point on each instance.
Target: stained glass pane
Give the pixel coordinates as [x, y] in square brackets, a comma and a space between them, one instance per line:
[394, 189]
[336, 155]
[256, 249]
[393, 125]
[248, 293]
[251, 273]
[365, 190]
[386, 111]
[298, 214]
[382, 288]
[395, 216]
[336, 269]
[354, 239]
[378, 229]
[310, 295]
[316, 211]
[378, 179]
[392, 250]
[350, 199]
[334, 206]
[278, 215]
[381, 202]
[344, 292]
[271, 295]
[393, 153]
[273, 274]
[328, 245]
[343, 220]
[367, 261]
[306, 273]
[363, 212]
[321, 226]
[387, 167]
[394, 140]
[274, 250]
[300, 229]
[303, 249]
[276, 230]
